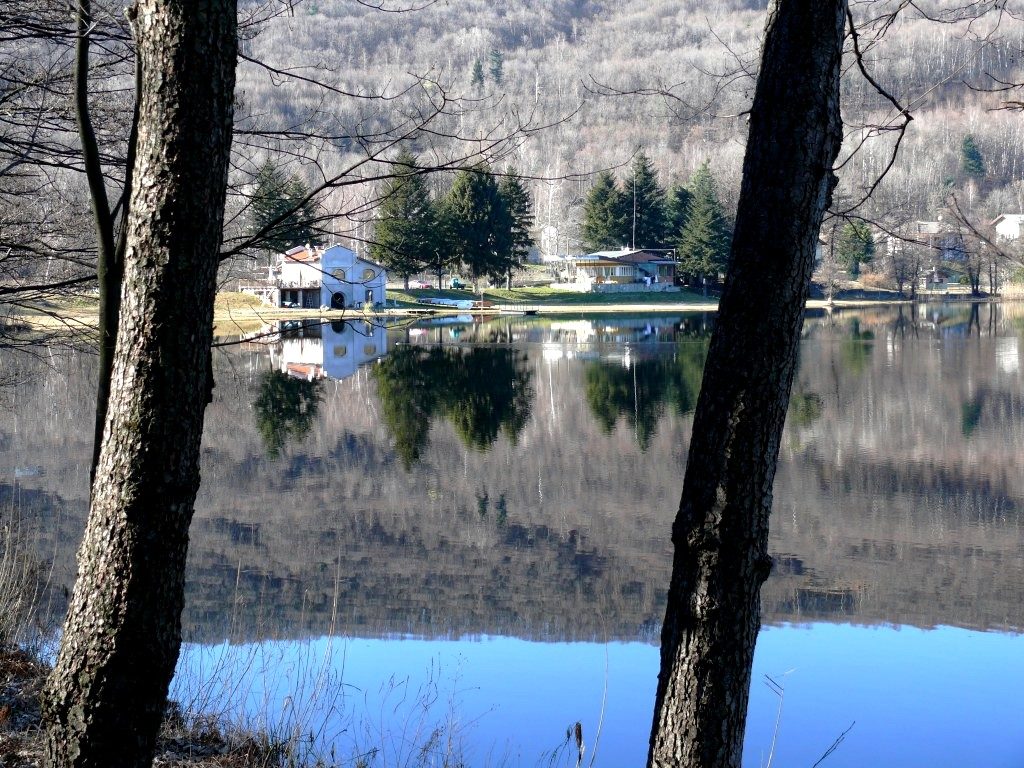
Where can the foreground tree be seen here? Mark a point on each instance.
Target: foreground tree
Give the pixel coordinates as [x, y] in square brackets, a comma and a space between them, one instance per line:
[105, 697]
[721, 530]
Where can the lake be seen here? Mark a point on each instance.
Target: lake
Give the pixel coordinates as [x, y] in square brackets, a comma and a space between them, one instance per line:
[453, 536]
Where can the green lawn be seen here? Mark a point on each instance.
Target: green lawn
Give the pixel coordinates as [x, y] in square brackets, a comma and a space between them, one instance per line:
[541, 295]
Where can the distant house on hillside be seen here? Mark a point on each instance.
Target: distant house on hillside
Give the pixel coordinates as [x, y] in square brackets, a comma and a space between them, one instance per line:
[639, 268]
[1008, 226]
[311, 277]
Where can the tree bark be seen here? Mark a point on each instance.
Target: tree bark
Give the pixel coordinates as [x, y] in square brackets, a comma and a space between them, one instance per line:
[721, 529]
[105, 697]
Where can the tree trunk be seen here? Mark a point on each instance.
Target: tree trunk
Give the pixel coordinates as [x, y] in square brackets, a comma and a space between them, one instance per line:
[721, 530]
[104, 699]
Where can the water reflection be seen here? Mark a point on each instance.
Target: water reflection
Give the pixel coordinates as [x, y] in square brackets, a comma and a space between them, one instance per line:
[897, 502]
[481, 391]
[640, 389]
[285, 409]
[314, 349]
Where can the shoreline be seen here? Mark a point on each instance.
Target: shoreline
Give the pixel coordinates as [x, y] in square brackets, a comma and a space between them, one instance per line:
[231, 317]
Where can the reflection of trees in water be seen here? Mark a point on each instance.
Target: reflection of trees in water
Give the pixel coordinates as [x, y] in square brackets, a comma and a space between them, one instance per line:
[858, 347]
[285, 409]
[642, 391]
[481, 391]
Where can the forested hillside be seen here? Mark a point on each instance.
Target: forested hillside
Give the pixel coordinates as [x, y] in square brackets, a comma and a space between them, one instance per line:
[331, 91]
[671, 78]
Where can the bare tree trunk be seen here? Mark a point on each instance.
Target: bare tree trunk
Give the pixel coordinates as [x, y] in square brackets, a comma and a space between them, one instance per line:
[104, 700]
[721, 530]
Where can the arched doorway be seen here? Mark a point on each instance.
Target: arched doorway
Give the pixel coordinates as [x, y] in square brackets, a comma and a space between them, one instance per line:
[338, 300]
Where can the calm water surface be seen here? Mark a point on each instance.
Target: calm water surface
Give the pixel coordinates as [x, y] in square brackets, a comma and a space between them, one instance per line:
[464, 526]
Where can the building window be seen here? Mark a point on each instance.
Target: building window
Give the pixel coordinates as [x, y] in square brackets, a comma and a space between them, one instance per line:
[369, 350]
[338, 274]
[340, 350]
[369, 274]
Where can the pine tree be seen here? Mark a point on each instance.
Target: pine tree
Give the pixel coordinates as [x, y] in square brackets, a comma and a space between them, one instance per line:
[520, 209]
[478, 224]
[406, 226]
[677, 208]
[854, 246]
[497, 59]
[703, 245]
[279, 204]
[478, 74]
[646, 203]
[604, 215]
[971, 161]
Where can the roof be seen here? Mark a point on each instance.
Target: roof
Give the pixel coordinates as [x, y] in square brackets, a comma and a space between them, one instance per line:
[628, 256]
[303, 253]
[1015, 217]
[307, 254]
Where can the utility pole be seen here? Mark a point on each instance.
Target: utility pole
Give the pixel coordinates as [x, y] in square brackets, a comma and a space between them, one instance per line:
[632, 244]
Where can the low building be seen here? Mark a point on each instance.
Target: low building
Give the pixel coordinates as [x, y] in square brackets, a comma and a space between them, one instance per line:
[639, 268]
[311, 277]
[1008, 226]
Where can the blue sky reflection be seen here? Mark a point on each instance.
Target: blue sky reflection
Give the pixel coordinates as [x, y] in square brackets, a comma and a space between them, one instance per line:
[944, 696]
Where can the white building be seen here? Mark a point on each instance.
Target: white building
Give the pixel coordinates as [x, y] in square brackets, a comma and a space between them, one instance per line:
[1008, 226]
[334, 277]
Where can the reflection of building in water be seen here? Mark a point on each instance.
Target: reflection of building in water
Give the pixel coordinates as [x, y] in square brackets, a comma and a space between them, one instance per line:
[313, 350]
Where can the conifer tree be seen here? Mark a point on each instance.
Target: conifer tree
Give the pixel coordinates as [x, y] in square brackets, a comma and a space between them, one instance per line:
[971, 161]
[497, 59]
[645, 203]
[280, 205]
[703, 246]
[478, 74]
[517, 202]
[478, 224]
[677, 208]
[604, 215]
[854, 246]
[406, 226]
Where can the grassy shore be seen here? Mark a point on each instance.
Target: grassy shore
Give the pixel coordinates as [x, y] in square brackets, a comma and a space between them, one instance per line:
[242, 313]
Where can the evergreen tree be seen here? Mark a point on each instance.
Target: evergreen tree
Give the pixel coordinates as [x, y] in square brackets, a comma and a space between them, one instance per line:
[479, 226]
[703, 245]
[677, 208]
[406, 226]
[645, 202]
[854, 246]
[520, 209]
[604, 215]
[971, 161]
[279, 204]
[497, 60]
[478, 74]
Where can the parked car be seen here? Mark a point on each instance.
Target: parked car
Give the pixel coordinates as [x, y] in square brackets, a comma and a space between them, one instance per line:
[459, 285]
[290, 304]
[420, 284]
